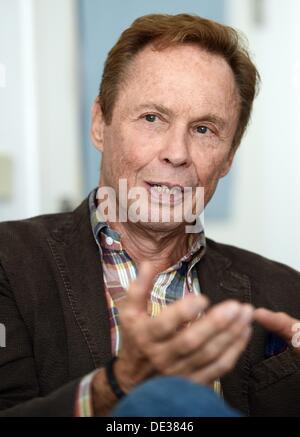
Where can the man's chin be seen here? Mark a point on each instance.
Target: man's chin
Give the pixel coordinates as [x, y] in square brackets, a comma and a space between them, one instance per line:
[161, 226]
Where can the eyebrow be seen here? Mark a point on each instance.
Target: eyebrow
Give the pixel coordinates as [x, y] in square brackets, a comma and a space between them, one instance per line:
[158, 107]
[213, 118]
[209, 117]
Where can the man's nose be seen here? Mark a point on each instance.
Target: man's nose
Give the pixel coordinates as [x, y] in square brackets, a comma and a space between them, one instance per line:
[175, 149]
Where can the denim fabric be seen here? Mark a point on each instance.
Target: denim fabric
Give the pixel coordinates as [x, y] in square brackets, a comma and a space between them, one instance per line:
[169, 396]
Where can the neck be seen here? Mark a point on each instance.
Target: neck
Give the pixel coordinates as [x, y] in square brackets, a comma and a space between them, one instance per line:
[161, 248]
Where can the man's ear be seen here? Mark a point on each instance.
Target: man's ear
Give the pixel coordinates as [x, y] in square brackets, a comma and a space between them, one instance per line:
[228, 163]
[97, 129]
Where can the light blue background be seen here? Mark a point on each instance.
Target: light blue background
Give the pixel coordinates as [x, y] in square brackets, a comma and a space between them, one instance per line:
[101, 23]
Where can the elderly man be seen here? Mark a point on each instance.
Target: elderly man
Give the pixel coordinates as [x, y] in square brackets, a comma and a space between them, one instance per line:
[83, 328]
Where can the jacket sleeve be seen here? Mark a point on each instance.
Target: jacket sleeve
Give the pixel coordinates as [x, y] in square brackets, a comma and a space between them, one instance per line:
[19, 386]
[60, 403]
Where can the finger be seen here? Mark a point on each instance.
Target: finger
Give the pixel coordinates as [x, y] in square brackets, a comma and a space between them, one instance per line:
[174, 316]
[225, 363]
[215, 347]
[139, 290]
[280, 323]
[218, 319]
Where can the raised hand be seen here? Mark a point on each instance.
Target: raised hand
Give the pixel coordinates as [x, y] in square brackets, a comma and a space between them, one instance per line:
[177, 341]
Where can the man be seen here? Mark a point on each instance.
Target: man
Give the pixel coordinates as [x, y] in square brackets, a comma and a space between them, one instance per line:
[83, 329]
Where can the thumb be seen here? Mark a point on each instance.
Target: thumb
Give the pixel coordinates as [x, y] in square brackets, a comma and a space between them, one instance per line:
[139, 290]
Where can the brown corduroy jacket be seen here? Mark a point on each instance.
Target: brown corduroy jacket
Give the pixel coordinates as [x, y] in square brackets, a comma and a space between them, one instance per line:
[52, 303]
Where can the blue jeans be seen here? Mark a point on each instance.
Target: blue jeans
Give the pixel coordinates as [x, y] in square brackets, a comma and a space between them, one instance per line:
[168, 396]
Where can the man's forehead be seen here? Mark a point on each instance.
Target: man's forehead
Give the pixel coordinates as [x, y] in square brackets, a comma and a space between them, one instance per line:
[181, 69]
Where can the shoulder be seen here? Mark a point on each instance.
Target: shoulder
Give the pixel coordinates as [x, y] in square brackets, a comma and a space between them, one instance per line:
[251, 262]
[25, 235]
[273, 284]
[29, 231]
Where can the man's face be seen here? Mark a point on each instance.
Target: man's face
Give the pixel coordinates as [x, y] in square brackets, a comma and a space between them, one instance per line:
[173, 123]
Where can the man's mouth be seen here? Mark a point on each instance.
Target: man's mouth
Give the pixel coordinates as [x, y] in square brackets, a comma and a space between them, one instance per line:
[165, 188]
[165, 193]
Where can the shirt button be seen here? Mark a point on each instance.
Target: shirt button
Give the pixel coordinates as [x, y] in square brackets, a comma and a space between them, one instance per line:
[109, 241]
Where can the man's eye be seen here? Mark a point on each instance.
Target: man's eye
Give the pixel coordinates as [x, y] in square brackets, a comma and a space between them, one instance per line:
[202, 129]
[151, 118]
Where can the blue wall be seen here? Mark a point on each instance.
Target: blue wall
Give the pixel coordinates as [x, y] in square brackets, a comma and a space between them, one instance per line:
[101, 23]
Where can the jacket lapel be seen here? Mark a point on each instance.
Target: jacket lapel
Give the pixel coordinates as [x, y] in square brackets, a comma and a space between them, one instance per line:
[219, 281]
[78, 262]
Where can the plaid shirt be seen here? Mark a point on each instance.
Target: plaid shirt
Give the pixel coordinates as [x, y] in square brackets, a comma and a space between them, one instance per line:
[119, 271]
